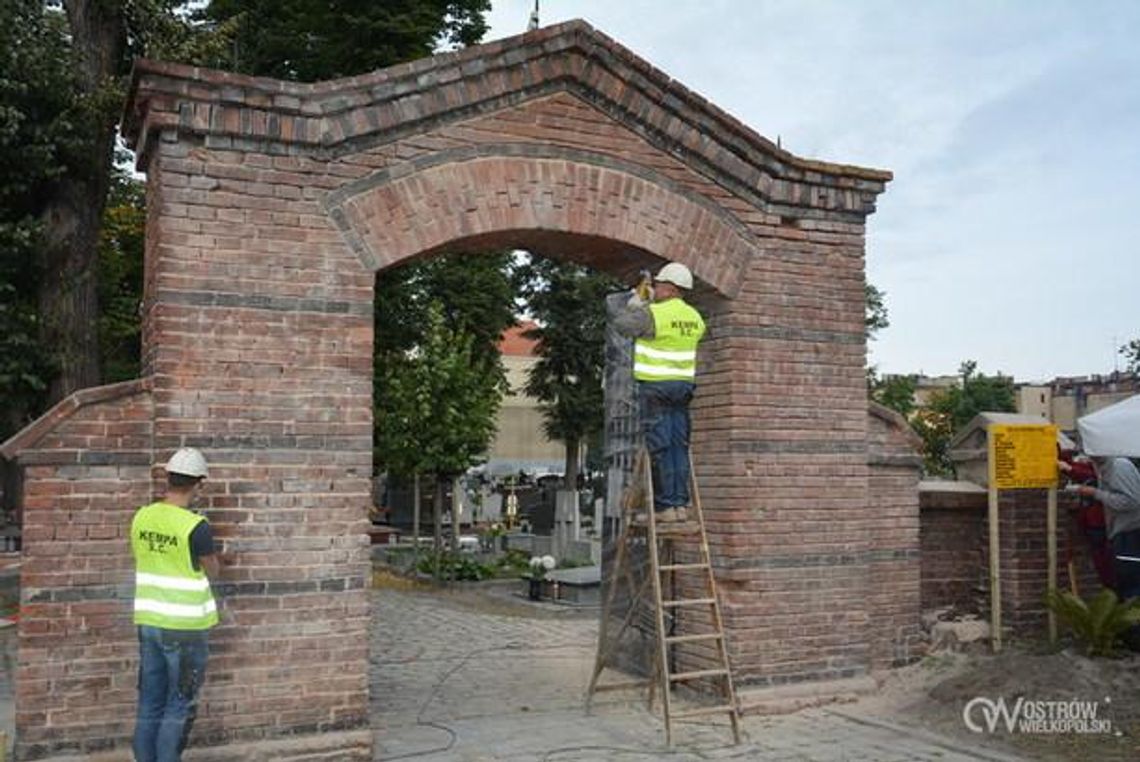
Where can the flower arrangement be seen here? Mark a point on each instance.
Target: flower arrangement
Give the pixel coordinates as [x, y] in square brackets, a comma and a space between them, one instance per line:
[540, 565]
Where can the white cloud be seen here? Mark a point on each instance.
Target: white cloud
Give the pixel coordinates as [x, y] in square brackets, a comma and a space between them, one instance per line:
[1010, 234]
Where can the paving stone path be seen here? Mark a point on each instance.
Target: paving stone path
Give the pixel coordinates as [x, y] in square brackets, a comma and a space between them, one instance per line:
[458, 676]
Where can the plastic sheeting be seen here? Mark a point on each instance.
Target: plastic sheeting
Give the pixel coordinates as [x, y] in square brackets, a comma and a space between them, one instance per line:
[1113, 431]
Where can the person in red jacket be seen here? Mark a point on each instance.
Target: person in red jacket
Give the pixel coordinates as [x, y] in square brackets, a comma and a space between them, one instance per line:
[1091, 517]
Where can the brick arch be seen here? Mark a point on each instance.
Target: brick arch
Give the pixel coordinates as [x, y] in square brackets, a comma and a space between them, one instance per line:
[550, 200]
[270, 207]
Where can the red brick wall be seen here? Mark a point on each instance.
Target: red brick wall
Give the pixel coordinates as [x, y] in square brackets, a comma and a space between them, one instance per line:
[271, 206]
[895, 585]
[953, 538]
[955, 555]
[86, 467]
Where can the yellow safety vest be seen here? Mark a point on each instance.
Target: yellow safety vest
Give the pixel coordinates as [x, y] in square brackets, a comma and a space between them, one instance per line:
[169, 592]
[671, 355]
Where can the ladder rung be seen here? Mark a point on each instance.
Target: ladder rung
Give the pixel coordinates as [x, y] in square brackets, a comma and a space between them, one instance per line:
[683, 567]
[689, 602]
[678, 527]
[703, 711]
[698, 673]
[693, 638]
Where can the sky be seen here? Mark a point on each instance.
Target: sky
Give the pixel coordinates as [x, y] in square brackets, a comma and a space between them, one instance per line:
[1011, 232]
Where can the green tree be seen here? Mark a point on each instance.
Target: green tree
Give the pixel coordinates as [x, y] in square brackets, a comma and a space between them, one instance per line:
[951, 409]
[438, 407]
[309, 40]
[896, 392]
[62, 80]
[977, 393]
[120, 276]
[474, 295]
[103, 37]
[567, 301]
[37, 138]
[935, 431]
[1131, 353]
[875, 316]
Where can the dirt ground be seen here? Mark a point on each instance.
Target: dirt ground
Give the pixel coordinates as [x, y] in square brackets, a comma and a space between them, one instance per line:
[933, 693]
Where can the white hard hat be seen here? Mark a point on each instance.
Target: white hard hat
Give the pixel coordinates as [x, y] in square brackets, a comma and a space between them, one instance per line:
[188, 462]
[677, 274]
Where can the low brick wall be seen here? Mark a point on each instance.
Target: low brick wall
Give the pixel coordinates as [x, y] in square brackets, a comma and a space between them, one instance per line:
[895, 573]
[85, 466]
[955, 553]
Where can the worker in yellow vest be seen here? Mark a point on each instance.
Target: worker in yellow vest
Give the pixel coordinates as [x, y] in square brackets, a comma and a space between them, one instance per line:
[666, 331]
[174, 556]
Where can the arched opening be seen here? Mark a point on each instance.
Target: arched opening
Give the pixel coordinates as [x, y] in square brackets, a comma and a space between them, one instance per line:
[272, 205]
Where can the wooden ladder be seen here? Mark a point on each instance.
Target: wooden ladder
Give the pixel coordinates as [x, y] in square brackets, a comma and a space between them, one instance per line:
[659, 541]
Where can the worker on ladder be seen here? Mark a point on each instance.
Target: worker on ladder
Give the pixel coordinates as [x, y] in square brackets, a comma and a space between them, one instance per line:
[666, 331]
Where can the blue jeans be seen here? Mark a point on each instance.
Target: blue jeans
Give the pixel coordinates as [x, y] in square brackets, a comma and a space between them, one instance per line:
[1126, 549]
[1126, 552]
[172, 664]
[665, 423]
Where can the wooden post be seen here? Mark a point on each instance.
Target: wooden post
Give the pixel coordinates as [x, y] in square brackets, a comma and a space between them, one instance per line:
[995, 550]
[995, 573]
[1051, 550]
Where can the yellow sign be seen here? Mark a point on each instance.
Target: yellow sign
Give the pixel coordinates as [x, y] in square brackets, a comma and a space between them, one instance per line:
[1023, 456]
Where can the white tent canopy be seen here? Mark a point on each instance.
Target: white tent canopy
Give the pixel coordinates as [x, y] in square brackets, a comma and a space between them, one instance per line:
[1113, 431]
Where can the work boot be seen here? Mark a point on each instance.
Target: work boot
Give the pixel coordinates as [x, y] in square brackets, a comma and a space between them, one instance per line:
[682, 514]
[667, 516]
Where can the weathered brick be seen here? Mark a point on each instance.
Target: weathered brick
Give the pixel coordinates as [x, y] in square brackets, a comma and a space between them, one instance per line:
[271, 206]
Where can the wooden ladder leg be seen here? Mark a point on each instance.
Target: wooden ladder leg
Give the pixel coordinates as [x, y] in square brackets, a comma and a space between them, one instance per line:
[727, 689]
[658, 607]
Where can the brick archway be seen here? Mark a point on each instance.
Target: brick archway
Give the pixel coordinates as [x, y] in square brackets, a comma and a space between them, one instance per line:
[271, 206]
[562, 201]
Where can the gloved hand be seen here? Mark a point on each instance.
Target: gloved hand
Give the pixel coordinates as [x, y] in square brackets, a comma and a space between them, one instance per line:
[635, 300]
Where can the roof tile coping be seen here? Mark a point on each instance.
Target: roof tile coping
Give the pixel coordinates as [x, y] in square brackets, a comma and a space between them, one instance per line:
[30, 435]
[569, 34]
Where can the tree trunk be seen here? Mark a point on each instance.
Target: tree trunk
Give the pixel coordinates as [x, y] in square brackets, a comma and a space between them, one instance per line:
[456, 509]
[416, 512]
[437, 522]
[68, 298]
[571, 479]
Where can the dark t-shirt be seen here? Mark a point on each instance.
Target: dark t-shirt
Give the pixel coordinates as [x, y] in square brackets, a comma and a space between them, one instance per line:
[201, 543]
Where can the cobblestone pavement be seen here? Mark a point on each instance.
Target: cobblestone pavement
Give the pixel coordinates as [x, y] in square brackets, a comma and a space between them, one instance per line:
[458, 676]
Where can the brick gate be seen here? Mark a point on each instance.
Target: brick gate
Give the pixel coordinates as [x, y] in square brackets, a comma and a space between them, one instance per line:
[272, 205]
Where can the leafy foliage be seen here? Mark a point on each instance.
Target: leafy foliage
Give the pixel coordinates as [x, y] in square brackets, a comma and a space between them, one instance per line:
[1098, 624]
[475, 292]
[568, 302]
[875, 316]
[1131, 353]
[951, 409]
[38, 137]
[61, 92]
[455, 566]
[936, 432]
[121, 243]
[436, 404]
[309, 40]
[896, 392]
[471, 298]
[977, 393]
